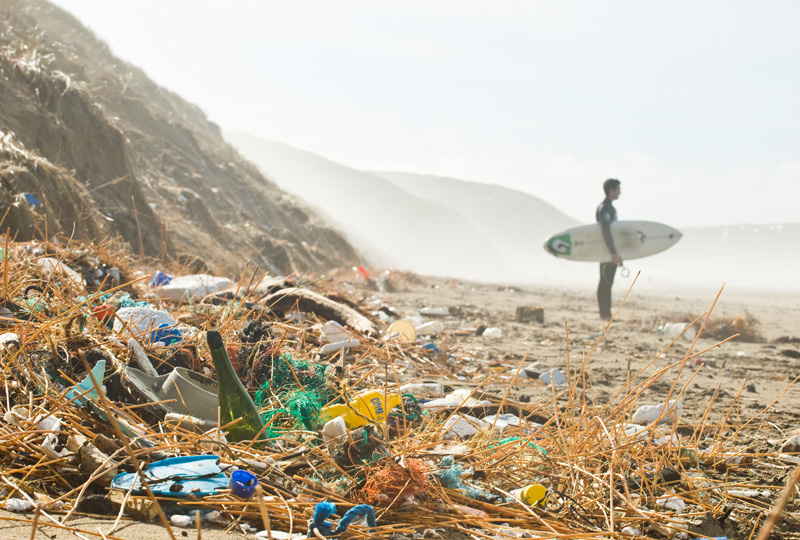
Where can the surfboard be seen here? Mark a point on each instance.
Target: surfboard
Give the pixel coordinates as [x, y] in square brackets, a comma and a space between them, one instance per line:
[633, 240]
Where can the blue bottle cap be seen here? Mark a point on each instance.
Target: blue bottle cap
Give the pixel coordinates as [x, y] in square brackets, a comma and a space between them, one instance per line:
[243, 483]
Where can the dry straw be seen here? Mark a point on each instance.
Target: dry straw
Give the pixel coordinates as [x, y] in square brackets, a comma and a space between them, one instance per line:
[602, 479]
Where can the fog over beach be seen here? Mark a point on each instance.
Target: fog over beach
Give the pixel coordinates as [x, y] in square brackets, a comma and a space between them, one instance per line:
[469, 230]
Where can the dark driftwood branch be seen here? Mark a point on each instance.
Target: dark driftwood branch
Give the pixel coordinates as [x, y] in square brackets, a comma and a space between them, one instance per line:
[311, 302]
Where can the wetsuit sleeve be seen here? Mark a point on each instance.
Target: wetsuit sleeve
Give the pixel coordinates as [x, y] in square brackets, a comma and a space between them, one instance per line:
[605, 217]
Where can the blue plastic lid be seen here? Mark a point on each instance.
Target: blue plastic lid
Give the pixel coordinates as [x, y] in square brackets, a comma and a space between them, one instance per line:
[243, 483]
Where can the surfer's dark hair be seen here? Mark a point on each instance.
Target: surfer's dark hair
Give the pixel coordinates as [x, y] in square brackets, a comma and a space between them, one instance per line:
[611, 183]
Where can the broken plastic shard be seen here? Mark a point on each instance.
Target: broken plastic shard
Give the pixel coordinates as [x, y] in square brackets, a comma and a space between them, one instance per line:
[85, 390]
[182, 391]
[198, 476]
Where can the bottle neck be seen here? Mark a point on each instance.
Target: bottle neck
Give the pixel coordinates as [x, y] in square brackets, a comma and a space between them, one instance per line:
[222, 362]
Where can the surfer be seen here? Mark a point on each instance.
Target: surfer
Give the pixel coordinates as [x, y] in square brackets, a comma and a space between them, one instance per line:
[605, 215]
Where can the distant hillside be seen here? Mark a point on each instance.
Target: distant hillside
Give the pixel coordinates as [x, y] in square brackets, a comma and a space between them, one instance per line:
[516, 223]
[109, 153]
[426, 224]
[392, 227]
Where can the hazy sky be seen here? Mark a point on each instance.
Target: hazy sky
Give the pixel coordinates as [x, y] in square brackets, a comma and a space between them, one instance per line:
[693, 105]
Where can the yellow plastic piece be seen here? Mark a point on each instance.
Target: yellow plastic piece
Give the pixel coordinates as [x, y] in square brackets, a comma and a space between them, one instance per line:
[373, 405]
[404, 329]
[534, 495]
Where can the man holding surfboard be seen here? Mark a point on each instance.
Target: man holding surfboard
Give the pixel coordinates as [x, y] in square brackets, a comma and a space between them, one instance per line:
[605, 215]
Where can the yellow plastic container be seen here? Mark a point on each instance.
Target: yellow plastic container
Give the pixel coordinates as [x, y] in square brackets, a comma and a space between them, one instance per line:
[534, 495]
[373, 404]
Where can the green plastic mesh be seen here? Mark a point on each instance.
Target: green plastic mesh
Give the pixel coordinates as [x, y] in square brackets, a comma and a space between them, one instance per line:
[302, 401]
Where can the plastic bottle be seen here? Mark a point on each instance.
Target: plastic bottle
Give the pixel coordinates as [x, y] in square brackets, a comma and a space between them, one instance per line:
[234, 401]
[673, 330]
[372, 405]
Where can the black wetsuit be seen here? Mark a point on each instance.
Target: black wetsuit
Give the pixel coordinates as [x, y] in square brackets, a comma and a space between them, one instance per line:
[606, 213]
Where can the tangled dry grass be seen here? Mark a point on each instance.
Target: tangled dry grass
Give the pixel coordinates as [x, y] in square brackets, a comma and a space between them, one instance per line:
[708, 476]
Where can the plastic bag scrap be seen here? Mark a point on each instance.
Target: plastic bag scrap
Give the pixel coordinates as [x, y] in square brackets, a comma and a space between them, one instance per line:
[450, 477]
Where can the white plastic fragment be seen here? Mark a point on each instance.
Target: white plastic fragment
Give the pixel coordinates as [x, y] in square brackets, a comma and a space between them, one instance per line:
[493, 333]
[669, 412]
[672, 438]
[335, 332]
[18, 505]
[429, 328]
[458, 398]
[382, 317]
[216, 517]
[139, 356]
[506, 420]
[635, 431]
[450, 449]
[748, 493]
[671, 502]
[461, 426]
[192, 287]
[181, 521]
[17, 413]
[339, 345]
[185, 421]
[792, 445]
[423, 389]
[141, 323]
[51, 267]
[434, 311]
[8, 338]
[333, 429]
[553, 375]
[259, 465]
[52, 426]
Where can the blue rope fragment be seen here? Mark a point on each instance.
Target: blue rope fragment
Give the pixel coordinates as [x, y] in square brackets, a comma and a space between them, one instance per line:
[353, 513]
[323, 510]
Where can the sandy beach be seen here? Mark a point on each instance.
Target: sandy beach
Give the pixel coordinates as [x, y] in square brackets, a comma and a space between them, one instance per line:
[632, 342]
[747, 377]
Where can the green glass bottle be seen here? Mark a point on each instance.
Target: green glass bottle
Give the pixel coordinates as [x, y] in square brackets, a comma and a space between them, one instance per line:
[234, 401]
